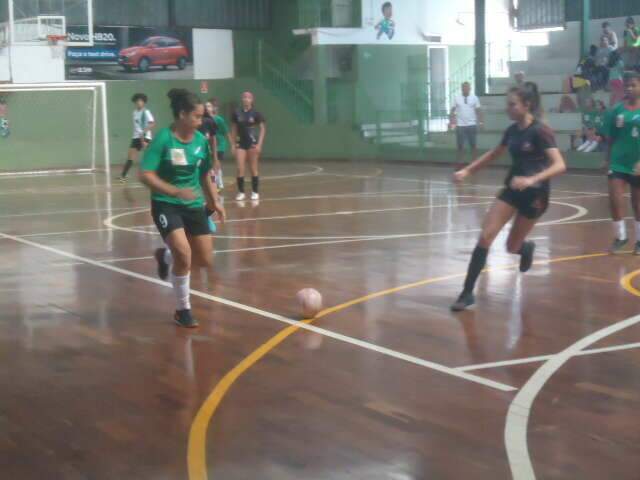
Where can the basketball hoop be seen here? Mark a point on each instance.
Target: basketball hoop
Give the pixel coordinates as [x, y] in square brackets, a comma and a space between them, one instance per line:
[57, 43]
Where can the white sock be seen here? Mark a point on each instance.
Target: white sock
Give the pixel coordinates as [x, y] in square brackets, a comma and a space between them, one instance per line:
[181, 287]
[637, 231]
[168, 257]
[620, 230]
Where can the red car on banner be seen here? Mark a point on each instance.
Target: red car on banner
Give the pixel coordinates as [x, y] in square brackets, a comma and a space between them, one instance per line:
[154, 51]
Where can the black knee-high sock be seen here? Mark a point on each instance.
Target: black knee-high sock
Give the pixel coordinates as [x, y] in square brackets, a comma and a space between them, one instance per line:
[255, 184]
[522, 247]
[478, 261]
[127, 167]
[240, 184]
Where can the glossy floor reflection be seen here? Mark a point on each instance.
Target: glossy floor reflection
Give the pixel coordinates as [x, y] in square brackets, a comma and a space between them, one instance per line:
[98, 383]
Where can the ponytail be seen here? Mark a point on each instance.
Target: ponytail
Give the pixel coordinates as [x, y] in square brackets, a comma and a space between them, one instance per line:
[528, 94]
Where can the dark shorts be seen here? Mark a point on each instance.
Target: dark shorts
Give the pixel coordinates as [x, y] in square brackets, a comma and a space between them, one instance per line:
[632, 180]
[468, 135]
[138, 144]
[221, 156]
[246, 144]
[169, 217]
[530, 203]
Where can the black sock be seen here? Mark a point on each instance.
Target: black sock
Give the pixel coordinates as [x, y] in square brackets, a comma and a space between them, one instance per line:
[478, 261]
[127, 167]
[524, 244]
[240, 184]
[255, 184]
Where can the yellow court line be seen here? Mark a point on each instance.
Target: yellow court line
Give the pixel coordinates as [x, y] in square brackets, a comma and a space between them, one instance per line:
[627, 283]
[196, 454]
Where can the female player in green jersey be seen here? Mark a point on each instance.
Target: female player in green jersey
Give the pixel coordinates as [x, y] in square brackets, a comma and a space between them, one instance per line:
[622, 130]
[176, 169]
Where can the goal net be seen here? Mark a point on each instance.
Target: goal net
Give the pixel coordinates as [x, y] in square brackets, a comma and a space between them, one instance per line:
[53, 128]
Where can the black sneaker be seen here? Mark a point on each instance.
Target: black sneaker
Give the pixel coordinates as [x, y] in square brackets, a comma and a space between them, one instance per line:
[618, 245]
[636, 251]
[122, 179]
[163, 267]
[184, 319]
[526, 256]
[464, 301]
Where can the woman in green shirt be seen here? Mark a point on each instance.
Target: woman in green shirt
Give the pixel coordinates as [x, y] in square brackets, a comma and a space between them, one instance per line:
[176, 169]
[622, 130]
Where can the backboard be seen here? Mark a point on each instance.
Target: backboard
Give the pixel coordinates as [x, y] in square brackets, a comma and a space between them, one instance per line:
[32, 21]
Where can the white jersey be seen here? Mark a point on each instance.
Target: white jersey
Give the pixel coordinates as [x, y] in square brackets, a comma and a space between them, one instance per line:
[466, 110]
[141, 121]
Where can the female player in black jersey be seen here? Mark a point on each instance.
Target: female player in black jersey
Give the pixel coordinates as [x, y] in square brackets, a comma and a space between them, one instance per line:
[536, 159]
[248, 130]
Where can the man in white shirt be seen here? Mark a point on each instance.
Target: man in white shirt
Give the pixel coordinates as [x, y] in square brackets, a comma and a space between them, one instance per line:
[466, 116]
[611, 36]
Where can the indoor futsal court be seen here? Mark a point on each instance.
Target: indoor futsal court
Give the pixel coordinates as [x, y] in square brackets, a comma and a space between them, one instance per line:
[347, 240]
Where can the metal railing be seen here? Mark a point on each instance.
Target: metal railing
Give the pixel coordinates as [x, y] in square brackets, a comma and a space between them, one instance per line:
[281, 79]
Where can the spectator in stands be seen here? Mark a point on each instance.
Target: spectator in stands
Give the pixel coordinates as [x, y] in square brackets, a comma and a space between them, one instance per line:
[519, 79]
[610, 35]
[567, 105]
[584, 78]
[616, 78]
[466, 116]
[602, 65]
[592, 119]
[631, 33]
[631, 53]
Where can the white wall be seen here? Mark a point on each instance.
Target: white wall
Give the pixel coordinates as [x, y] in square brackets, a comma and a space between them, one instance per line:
[213, 54]
[5, 72]
[453, 20]
[35, 64]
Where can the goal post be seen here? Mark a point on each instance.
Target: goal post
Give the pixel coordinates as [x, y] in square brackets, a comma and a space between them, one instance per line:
[54, 128]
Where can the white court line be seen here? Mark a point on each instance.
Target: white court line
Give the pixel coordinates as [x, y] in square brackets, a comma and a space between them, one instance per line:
[270, 247]
[246, 308]
[515, 433]
[543, 358]
[581, 212]
[477, 185]
[249, 249]
[66, 212]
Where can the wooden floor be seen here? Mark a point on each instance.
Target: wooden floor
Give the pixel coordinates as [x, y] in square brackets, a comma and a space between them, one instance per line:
[540, 380]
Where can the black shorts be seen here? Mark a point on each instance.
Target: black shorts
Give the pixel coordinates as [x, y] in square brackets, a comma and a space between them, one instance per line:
[138, 144]
[530, 203]
[169, 217]
[468, 135]
[246, 144]
[632, 180]
[221, 156]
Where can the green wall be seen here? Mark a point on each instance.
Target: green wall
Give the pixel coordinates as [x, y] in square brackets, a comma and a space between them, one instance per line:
[389, 79]
[287, 137]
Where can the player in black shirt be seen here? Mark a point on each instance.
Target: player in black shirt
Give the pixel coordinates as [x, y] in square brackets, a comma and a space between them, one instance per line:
[536, 159]
[248, 130]
[209, 129]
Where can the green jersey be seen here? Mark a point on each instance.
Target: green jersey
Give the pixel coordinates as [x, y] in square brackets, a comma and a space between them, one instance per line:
[622, 126]
[223, 131]
[598, 120]
[629, 41]
[588, 118]
[179, 164]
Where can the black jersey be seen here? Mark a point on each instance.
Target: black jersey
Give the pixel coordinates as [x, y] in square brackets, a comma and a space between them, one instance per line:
[527, 148]
[248, 123]
[209, 127]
